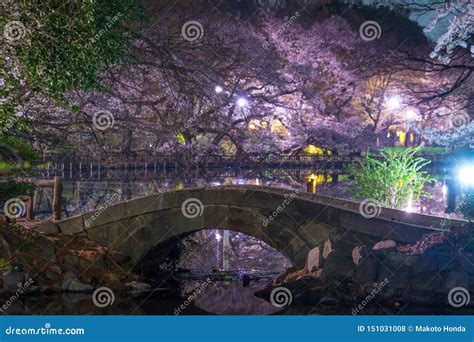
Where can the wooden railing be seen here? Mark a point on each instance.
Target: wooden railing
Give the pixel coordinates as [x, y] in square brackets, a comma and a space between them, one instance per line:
[56, 184]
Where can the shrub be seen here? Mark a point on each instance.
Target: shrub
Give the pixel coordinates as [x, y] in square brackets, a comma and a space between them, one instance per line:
[5, 265]
[11, 189]
[391, 179]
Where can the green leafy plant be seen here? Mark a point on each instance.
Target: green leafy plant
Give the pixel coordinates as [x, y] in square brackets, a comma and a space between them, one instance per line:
[5, 265]
[392, 179]
[24, 244]
[12, 189]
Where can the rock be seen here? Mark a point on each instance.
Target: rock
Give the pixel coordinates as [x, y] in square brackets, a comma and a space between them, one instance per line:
[428, 281]
[56, 269]
[5, 251]
[314, 259]
[386, 244]
[72, 284]
[53, 272]
[137, 286]
[13, 280]
[77, 286]
[337, 266]
[119, 258]
[98, 262]
[48, 252]
[68, 277]
[457, 279]
[70, 263]
[329, 302]
[327, 249]
[48, 228]
[358, 254]
[425, 263]
[366, 271]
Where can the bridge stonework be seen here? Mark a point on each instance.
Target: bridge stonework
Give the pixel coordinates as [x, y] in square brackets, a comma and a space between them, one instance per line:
[291, 222]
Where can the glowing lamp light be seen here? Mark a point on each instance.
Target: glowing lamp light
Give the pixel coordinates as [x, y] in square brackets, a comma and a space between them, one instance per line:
[394, 102]
[409, 207]
[465, 175]
[444, 189]
[218, 237]
[218, 89]
[410, 114]
[242, 102]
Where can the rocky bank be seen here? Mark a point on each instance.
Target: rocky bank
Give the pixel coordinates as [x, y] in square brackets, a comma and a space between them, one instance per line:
[427, 273]
[51, 262]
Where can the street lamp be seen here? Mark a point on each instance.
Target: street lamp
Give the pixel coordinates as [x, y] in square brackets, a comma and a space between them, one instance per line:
[242, 102]
[218, 89]
[411, 114]
[394, 102]
[465, 175]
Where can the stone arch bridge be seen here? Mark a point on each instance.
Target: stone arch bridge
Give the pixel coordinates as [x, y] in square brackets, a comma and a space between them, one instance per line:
[291, 222]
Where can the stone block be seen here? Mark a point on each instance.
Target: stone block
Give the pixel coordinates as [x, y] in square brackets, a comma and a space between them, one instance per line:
[314, 259]
[71, 225]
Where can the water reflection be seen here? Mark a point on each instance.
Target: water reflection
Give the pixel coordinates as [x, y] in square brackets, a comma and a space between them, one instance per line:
[231, 297]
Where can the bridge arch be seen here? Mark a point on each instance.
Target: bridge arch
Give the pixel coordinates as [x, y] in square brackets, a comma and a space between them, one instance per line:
[291, 222]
